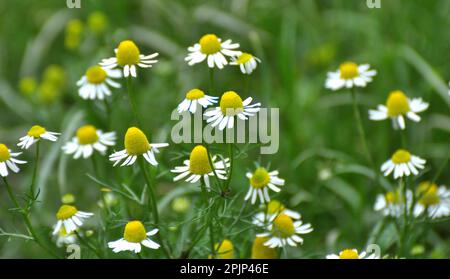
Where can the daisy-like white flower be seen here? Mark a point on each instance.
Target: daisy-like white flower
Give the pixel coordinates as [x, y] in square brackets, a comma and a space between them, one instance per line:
[231, 105]
[260, 251]
[194, 98]
[397, 107]
[96, 81]
[282, 231]
[136, 144]
[198, 166]
[211, 48]
[274, 208]
[87, 140]
[8, 160]
[246, 62]
[351, 254]
[392, 203]
[64, 238]
[260, 181]
[134, 236]
[350, 75]
[403, 163]
[433, 200]
[128, 56]
[34, 134]
[70, 218]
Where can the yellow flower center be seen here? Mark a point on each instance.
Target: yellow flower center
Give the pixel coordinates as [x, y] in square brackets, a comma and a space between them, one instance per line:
[275, 207]
[209, 44]
[260, 178]
[195, 94]
[348, 70]
[392, 197]
[283, 226]
[244, 58]
[397, 103]
[96, 75]
[348, 254]
[401, 156]
[134, 232]
[127, 53]
[4, 153]
[36, 131]
[428, 193]
[225, 249]
[87, 135]
[66, 211]
[199, 161]
[231, 103]
[136, 142]
[260, 251]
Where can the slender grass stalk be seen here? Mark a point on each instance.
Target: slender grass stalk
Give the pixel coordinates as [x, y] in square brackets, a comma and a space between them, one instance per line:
[132, 101]
[153, 204]
[27, 220]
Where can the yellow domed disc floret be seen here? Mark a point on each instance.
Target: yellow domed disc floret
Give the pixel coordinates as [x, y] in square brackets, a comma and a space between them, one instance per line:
[4, 153]
[127, 53]
[348, 254]
[428, 193]
[401, 156]
[244, 58]
[348, 70]
[199, 161]
[87, 135]
[260, 178]
[283, 226]
[136, 142]
[96, 75]
[36, 131]
[392, 197]
[274, 207]
[209, 44]
[260, 251]
[134, 232]
[66, 211]
[397, 103]
[195, 94]
[231, 103]
[225, 250]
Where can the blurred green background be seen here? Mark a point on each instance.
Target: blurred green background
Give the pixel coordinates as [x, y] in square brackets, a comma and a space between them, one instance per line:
[46, 47]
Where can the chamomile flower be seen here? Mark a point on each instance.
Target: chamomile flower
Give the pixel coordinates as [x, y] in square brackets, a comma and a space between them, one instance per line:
[8, 160]
[96, 81]
[398, 106]
[246, 62]
[70, 218]
[351, 254]
[403, 163]
[64, 238]
[231, 105]
[128, 56]
[136, 144]
[34, 134]
[260, 251]
[350, 75]
[274, 208]
[260, 181]
[392, 203]
[283, 231]
[134, 236]
[88, 139]
[194, 98]
[224, 249]
[211, 48]
[198, 166]
[432, 200]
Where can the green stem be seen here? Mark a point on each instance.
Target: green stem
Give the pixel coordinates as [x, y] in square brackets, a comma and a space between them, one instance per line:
[108, 113]
[230, 172]
[441, 169]
[33, 179]
[209, 218]
[360, 128]
[132, 101]
[88, 245]
[27, 220]
[211, 81]
[153, 204]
